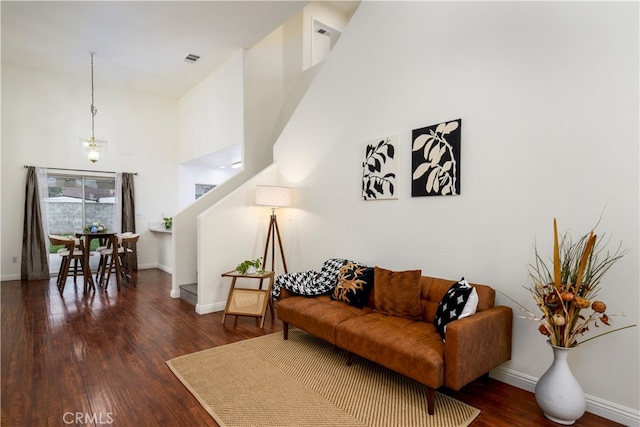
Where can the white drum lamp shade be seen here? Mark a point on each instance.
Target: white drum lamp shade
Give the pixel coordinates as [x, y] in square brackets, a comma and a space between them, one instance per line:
[272, 196]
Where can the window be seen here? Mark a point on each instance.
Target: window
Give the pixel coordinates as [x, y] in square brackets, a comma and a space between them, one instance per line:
[201, 189]
[74, 201]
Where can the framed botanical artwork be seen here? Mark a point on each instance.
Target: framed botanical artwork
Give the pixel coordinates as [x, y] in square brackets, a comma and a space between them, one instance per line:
[380, 169]
[435, 160]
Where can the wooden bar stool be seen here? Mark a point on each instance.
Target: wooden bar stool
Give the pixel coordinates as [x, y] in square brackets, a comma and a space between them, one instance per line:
[118, 259]
[72, 258]
[129, 241]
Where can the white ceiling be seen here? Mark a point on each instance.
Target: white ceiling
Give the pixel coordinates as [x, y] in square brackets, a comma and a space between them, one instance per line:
[140, 45]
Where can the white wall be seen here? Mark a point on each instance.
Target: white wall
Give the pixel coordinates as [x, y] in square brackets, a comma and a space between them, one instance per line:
[211, 114]
[43, 117]
[263, 95]
[210, 119]
[189, 176]
[548, 97]
[164, 251]
[273, 85]
[324, 13]
[260, 96]
[237, 226]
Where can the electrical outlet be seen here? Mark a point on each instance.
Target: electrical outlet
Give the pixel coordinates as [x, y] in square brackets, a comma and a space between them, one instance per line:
[14, 259]
[138, 215]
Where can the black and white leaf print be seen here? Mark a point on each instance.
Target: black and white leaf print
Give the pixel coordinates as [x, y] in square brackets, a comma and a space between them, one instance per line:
[378, 170]
[435, 160]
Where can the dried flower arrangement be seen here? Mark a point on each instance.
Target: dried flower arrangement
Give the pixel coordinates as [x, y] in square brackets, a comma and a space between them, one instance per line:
[572, 285]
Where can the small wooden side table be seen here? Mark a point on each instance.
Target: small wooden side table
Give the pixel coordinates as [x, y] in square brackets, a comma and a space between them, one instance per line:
[249, 301]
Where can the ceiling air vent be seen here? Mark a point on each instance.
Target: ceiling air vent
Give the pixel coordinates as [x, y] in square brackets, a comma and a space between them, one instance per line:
[322, 31]
[191, 58]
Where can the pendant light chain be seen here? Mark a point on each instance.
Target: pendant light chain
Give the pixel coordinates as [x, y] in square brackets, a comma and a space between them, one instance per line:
[92, 146]
[93, 108]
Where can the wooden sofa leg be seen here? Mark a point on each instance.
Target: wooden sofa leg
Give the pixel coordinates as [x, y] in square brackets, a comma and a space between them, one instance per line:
[431, 400]
[285, 330]
[348, 354]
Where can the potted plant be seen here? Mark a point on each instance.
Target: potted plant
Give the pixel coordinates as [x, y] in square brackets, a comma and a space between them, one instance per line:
[167, 222]
[250, 266]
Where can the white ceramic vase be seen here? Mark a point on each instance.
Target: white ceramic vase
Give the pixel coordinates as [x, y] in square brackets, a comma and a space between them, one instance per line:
[558, 393]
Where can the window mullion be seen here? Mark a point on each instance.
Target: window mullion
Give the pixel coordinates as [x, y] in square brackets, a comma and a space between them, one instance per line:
[84, 199]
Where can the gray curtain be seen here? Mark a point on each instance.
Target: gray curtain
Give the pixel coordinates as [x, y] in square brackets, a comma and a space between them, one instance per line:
[129, 210]
[35, 257]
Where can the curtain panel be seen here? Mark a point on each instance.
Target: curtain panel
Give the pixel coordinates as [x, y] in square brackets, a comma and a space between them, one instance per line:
[128, 210]
[35, 256]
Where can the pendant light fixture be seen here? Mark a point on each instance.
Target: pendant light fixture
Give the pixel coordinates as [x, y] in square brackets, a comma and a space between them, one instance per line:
[91, 146]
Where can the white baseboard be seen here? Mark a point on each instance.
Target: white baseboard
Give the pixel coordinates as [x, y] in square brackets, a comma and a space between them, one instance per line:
[514, 378]
[165, 268]
[609, 410]
[210, 308]
[7, 277]
[147, 266]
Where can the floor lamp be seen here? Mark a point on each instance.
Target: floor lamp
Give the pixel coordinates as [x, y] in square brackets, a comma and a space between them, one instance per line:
[274, 197]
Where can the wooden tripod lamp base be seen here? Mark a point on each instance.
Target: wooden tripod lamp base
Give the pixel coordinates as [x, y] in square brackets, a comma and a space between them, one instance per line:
[274, 197]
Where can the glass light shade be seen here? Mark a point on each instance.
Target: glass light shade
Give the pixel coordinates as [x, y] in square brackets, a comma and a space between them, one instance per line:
[272, 196]
[93, 147]
[94, 156]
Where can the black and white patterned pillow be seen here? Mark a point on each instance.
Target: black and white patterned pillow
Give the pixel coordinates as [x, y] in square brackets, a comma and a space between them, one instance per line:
[310, 283]
[453, 304]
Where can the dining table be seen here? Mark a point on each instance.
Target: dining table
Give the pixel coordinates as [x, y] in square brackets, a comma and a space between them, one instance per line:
[106, 239]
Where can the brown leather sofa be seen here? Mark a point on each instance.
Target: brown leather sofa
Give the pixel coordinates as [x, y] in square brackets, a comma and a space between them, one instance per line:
[474, 345]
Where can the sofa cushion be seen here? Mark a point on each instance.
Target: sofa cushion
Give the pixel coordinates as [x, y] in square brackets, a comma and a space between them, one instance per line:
[354, 284]
[455, 304]
[319, 315]
[397, 293]
[411, 348]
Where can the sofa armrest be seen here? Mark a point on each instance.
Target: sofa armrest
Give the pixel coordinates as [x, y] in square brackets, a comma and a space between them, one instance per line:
[476, 344]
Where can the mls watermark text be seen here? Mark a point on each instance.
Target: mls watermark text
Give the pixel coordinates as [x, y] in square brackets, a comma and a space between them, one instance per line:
[87, 418]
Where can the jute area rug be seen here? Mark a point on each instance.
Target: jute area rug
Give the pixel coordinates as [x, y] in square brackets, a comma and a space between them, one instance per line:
[304, 381]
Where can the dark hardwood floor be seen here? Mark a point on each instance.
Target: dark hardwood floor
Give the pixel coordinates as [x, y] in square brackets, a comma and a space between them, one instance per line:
[100, 359]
